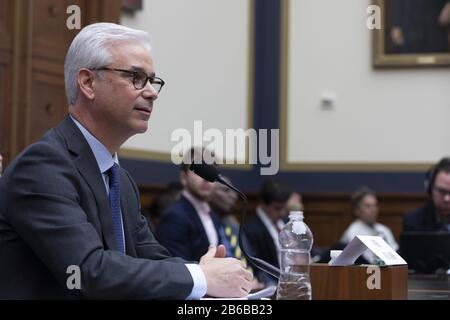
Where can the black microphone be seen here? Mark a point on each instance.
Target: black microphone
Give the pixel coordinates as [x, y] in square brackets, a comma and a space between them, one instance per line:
[211, 174]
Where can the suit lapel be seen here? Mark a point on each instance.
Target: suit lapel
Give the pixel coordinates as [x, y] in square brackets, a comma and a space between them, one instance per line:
[88, 168]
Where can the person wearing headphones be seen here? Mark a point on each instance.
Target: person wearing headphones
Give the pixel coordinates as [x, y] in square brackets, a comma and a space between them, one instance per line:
[435, 214]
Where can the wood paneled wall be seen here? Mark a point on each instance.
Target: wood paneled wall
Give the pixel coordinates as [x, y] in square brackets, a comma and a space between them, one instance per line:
[34, 40]
[329, 214]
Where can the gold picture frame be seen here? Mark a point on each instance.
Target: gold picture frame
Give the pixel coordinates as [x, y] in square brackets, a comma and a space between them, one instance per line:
[412, 34]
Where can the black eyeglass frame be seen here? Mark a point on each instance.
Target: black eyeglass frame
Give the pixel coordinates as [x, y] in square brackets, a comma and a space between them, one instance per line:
[135, 73]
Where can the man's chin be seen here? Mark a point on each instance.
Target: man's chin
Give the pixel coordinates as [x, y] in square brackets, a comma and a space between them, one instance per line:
[141, 127]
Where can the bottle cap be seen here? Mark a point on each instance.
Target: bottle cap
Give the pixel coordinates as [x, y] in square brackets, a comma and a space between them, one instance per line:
[296, 215]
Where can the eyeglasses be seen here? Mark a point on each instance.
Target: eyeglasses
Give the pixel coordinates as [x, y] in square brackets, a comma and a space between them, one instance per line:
[140, 79]
[443, 192]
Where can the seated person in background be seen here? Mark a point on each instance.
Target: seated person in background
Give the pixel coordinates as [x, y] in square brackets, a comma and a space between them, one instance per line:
[222, 201]
[262, 229]
[435, 214]
[365, 209]
[294, 203]
[188, 227]
[161, 203]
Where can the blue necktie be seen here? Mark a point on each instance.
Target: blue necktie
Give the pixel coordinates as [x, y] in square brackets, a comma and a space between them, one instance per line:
[229, 238]
[114, 201]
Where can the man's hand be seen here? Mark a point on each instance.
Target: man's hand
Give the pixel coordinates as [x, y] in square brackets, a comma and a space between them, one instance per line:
[225, 277]
[256, 285]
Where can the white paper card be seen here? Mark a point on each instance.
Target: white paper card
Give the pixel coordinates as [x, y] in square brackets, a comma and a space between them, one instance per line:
[377, 245]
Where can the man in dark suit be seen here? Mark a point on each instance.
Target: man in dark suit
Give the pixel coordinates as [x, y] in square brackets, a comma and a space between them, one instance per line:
[68, 209]
[435, 214]
[188, 226]
[262, 229]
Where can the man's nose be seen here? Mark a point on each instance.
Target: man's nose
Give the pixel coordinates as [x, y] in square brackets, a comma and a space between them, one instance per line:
[149, 91]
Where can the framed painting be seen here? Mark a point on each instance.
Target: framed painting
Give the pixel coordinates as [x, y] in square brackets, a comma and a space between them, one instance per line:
[412, 33]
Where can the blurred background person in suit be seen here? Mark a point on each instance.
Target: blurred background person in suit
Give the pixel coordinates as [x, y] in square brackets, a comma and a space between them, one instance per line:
[191, 224]
[188, 227]
[435, 214]
[222, 201]
[295, 202]
[365, 209]
[262, 229]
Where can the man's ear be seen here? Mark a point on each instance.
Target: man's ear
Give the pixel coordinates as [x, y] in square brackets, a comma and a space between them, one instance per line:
[85, 79]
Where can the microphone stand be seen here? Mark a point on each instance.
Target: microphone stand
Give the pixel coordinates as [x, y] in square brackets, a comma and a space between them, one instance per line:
[256, 262]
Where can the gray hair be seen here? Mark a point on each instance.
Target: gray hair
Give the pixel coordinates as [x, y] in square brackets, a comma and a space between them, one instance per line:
[89, 49]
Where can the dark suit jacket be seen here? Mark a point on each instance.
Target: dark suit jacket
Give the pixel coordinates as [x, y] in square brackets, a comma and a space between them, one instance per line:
[181, 231]
[54, 213]
[423, 219]
[258, 238]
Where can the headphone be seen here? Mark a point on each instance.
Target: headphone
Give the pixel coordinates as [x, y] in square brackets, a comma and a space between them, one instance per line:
[430, 176]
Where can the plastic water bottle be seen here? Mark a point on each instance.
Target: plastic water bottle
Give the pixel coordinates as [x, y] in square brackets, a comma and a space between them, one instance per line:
[296, 241]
